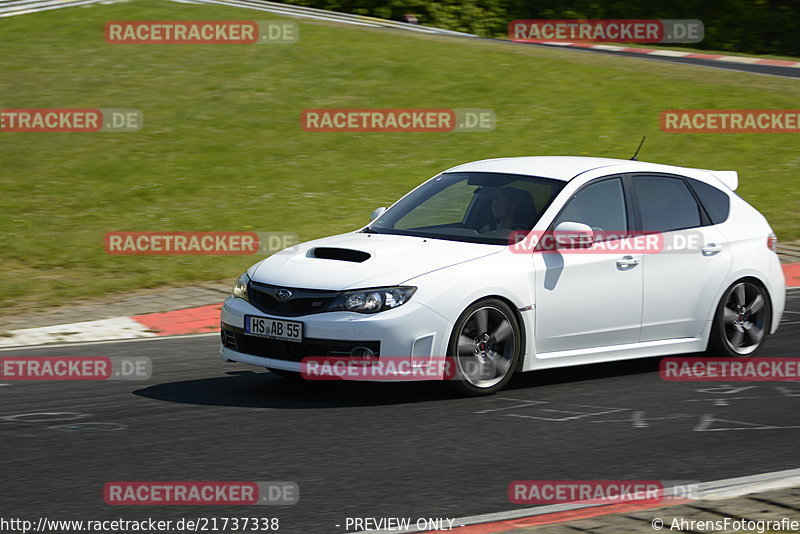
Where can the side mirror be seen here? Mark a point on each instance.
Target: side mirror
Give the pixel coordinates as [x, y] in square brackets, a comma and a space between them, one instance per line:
[377, 213]
[574, 235]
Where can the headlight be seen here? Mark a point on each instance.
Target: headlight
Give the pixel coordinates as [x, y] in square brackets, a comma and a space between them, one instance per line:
[240, 287]
[373, 300]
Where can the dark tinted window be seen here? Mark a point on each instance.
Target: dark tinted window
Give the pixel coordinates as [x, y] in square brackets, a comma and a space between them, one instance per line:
[666, 204]
[600, 205]
[716, 202]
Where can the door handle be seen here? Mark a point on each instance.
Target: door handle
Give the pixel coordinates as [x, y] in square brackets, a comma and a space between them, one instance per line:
[711, 249]
[628, 261]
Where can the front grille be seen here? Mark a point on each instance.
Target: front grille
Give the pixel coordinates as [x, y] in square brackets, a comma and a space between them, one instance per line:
[302, 301]
[236, 339]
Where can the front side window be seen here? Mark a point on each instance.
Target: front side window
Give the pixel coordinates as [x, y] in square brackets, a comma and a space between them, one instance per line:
[666, 204]
[601, 205]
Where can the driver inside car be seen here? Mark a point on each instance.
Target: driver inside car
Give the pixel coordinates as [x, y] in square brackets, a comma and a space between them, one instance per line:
[511, 209]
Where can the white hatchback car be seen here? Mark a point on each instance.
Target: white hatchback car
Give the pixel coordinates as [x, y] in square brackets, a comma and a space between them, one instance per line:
[438, 275]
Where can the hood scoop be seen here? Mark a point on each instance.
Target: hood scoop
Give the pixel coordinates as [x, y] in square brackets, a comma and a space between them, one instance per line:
[341, 254]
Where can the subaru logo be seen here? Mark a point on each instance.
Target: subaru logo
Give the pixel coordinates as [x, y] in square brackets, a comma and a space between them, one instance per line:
[283, 295]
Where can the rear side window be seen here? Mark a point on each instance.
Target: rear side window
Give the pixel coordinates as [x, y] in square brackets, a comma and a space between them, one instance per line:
[716, 202]
[666, 204]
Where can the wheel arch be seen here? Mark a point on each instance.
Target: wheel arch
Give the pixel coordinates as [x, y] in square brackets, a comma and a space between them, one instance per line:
[755, 280]
[517, 315]
[744, 278]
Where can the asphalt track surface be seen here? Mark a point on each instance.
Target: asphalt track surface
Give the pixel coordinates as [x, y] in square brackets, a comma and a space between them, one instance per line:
[771, 70]
[374, 450]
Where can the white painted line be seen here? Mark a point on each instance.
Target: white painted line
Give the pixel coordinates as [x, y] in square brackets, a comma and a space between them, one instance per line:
[104, 341]
[608, 47]
[714, 490]
[104, 329]
[668, 53]
[737, 487]
[707, 420]
[527, 404]
[739, 59]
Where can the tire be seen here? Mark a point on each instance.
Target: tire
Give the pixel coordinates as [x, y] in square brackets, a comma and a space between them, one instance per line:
[484, 349]
[741, 321]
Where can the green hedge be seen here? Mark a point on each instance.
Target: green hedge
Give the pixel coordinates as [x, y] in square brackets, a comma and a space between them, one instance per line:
[750, 26]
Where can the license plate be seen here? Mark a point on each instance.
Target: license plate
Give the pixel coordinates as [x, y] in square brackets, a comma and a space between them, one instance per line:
[273, 328]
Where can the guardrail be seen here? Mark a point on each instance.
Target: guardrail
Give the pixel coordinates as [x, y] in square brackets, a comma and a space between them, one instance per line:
[22, 7]
[331, 16]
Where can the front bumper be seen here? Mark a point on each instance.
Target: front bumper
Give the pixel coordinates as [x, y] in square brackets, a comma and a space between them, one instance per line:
[411, 331]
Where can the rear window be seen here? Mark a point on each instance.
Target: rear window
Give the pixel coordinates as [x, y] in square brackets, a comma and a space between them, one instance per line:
[666, 204]
[716, 202]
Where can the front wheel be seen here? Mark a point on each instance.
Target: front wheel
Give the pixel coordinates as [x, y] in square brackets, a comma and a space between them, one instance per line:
[484, 348]
[741, 322]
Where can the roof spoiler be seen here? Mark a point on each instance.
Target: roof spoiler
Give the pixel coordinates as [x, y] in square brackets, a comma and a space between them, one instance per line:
[729, 178]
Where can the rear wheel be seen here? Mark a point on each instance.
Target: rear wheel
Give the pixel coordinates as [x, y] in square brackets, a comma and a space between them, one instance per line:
[484, 348]
[742, 321]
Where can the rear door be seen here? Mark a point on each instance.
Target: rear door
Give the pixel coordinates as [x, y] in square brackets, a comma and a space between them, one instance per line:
[682, 281]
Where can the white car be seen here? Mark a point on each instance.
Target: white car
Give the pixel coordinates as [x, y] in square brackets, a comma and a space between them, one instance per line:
[438, 275]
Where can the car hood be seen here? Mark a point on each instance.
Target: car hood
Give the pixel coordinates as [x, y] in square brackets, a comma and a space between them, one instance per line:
[360, 260]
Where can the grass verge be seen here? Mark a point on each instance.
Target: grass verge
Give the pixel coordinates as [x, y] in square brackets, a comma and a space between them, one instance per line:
[222, 148]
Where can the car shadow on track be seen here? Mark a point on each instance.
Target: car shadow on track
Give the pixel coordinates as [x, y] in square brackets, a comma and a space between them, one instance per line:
[266, 390]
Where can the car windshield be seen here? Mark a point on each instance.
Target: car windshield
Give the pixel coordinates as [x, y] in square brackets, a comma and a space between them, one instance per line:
[477, 207]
